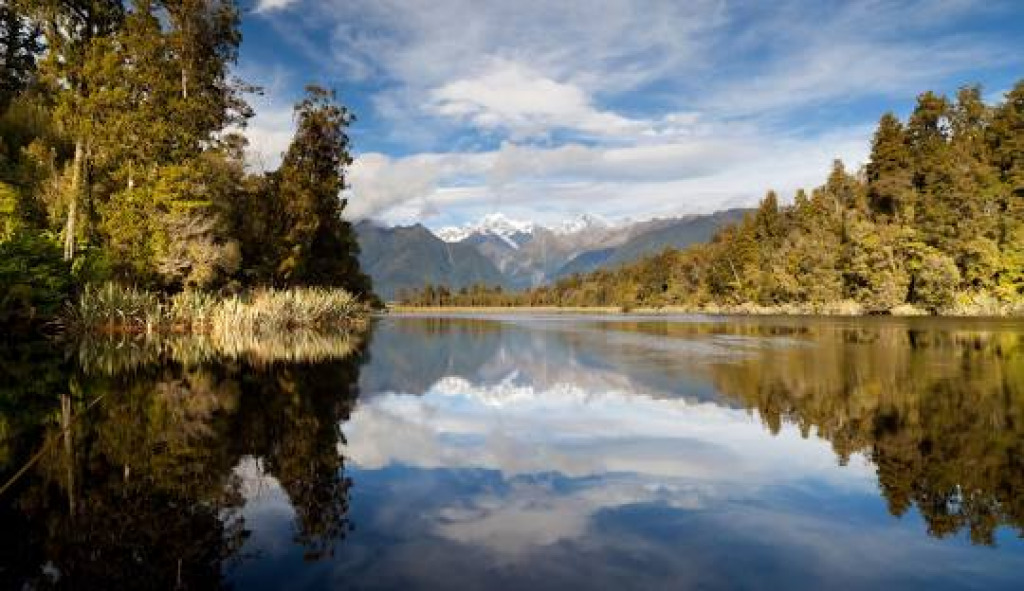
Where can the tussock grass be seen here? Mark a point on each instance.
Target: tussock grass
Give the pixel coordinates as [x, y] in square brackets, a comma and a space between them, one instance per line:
[116, 309]
[116, 353]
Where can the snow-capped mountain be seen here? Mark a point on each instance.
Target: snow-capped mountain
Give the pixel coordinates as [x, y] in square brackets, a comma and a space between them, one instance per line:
[513, 231]
[517, 254]
[494, 224]
[580, 223]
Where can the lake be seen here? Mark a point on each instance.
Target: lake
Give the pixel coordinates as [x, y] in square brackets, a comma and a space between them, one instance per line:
[522, 452]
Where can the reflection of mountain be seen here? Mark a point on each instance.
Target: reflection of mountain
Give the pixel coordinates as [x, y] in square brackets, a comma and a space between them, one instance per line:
[136, 482]
[939, 412]
[528, 453]
[412, 354]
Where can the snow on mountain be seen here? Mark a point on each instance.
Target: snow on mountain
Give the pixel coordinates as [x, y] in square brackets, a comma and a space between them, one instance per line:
[454, 233]
[511, 230]
[586, 221]
[492, 224]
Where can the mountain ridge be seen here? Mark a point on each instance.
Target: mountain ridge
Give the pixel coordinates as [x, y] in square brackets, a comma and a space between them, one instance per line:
[516, 254]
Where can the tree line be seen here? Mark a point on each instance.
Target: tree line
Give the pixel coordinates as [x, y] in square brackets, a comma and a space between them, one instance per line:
[935, 219]
[122, 159]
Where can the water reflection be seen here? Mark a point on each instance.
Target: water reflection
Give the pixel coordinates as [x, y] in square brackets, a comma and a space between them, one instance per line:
[787, 441]
[523, 451]
[137, 478]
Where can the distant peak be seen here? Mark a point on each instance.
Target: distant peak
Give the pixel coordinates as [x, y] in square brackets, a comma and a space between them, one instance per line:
[492, 224]
[585, 221]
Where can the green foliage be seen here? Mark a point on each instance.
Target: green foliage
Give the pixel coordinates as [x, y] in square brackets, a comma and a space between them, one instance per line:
[318, 247]
[20, 46]
[34, 280]
[938, 211]
[119, 138]
[874, 271]
[936, 278]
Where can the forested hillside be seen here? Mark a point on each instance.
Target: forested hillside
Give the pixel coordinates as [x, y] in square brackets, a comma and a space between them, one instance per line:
[121, 159]
[406, 257]
[934, 220]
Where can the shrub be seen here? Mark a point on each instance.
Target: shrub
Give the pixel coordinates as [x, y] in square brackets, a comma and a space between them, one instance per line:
[34, 279]
[114, 308]
[935, 281]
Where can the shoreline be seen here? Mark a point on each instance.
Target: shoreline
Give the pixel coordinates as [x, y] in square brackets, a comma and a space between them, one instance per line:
[837, 310]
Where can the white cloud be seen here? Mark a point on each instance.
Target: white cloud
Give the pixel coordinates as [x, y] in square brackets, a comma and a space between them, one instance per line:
[269, 5]
[513, 97]
[700, 174]
[597, 105]
[619, 446]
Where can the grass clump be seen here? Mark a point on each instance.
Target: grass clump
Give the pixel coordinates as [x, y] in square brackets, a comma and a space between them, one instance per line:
[112, 308]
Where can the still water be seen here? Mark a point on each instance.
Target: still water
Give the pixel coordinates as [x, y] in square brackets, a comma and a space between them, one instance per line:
[522, 452]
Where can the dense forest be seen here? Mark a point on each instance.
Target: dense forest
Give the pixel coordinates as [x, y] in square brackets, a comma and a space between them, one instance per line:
[122, 160]
[935, 220]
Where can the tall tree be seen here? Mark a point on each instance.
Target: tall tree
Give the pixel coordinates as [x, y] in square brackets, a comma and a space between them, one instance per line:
[890, 191]
[70, 27]
[928, 132]
[318, 246]
[20, 46]
[203, 42]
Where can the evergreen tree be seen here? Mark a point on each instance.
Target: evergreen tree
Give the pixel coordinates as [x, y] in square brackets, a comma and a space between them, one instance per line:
[20, 46]
[890, 190]
[317, 245]
[929, 132]
[70, 27]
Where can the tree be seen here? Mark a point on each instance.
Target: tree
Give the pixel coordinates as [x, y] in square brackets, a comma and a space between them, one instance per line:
[203, 39]
[20, 46]
[317, 246]
[873, 270]
[928, 132]
[890, 191]
[70, 27]
[935, 278]
[1006, 142]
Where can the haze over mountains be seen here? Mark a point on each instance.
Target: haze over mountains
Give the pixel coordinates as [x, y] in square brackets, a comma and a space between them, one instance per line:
[517, 254]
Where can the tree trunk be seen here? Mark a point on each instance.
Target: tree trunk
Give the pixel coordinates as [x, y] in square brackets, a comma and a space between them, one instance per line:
[76, 190]
[69, 450]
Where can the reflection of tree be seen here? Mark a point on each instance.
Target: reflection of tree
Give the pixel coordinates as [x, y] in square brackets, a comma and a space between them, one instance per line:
[293, 422]
[941, 413]
[140, 489]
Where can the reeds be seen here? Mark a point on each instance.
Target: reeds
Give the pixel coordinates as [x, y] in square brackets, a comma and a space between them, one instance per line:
[117, 309]
[113, 353]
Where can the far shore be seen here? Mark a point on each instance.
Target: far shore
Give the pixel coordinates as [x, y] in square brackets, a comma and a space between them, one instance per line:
[839, 309]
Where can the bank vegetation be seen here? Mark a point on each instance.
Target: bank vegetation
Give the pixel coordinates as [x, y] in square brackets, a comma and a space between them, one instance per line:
[933, 223]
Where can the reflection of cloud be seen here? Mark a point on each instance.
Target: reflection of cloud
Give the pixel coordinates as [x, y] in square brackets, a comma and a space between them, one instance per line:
[518, 429]
[558, 405]
[265, 505]
[627, 450]
[532, 514]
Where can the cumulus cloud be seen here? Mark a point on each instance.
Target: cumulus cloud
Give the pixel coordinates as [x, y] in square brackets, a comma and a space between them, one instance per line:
[269, 5]
[513, 97]
[680, 107]
[701, 174]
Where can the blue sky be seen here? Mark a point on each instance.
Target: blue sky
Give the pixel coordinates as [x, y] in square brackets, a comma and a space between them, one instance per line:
[544, 110]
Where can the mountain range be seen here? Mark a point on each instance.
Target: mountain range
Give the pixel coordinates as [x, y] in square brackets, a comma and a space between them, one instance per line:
[516, 254]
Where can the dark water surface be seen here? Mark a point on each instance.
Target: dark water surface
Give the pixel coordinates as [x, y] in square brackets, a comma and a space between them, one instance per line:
[522, 452]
